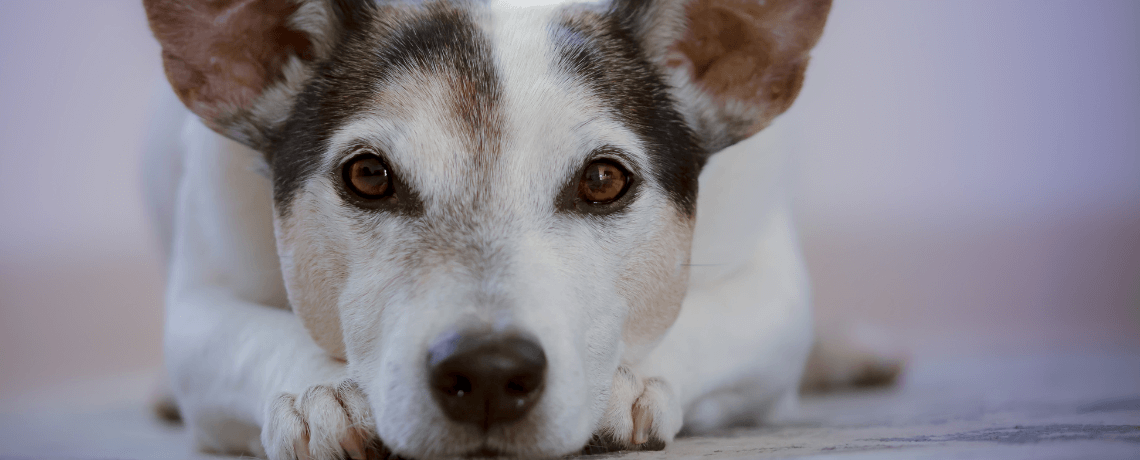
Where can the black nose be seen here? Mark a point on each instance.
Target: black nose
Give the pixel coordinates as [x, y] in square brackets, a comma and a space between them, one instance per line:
[486, 378]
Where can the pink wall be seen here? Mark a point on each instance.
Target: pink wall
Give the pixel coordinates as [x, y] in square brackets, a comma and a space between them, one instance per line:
[968, 175]
[970, 171]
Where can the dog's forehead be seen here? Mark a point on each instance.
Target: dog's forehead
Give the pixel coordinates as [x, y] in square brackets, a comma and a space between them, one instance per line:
[503, 113]
[468, 95]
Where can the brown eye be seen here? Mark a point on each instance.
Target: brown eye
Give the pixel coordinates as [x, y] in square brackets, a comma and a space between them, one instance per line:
[368, 177]
[603, 182]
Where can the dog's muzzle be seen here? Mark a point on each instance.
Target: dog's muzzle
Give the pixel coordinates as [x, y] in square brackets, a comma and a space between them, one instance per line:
[486, 378]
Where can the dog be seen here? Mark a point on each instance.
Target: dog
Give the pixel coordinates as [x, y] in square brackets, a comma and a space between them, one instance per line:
[472, 228]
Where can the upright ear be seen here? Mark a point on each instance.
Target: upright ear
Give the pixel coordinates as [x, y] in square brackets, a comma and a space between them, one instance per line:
[238, 64]
[734, 65]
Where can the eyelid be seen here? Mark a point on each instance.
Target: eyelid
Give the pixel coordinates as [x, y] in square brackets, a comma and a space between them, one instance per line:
[617, 156]
[357, 150]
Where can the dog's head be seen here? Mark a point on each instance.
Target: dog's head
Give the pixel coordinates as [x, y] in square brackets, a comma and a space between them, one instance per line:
[486, 209]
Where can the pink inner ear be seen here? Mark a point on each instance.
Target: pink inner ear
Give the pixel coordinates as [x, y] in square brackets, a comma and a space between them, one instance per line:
[219, 56]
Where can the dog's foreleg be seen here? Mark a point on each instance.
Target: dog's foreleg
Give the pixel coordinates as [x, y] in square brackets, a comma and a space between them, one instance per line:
[242, 367]
[228, 359]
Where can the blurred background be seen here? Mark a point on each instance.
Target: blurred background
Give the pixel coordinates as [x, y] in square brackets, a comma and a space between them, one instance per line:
[967, 176]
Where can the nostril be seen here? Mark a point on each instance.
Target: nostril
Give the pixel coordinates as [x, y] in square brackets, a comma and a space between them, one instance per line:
[517, 387]
[454, 385]
[522, 385]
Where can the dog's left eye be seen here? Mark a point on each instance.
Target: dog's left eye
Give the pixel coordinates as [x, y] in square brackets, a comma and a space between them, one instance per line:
[602, 182]
[367, 176]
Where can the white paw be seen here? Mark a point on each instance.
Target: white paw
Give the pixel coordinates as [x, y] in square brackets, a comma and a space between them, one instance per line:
[323, 422]
[643, 414]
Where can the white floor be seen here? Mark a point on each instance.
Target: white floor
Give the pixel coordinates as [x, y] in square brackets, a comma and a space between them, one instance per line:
[1073, 405]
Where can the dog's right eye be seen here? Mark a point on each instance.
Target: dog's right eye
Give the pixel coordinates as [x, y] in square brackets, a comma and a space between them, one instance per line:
[367, 176]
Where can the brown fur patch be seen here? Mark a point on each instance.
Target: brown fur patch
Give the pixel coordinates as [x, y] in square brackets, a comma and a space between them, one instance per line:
[750, 52]
[657, 277]
[315, 272]
[473, 99]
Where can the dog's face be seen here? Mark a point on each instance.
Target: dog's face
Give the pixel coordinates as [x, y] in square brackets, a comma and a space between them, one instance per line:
[485, 183]
[465, 182]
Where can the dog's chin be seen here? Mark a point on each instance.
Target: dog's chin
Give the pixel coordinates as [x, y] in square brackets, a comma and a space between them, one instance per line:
[524, 439]
[498, 446]
[488, 451]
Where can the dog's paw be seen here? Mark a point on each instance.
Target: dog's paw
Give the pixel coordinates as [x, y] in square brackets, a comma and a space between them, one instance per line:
[854, 354]
[643, 414]
[323, 422]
